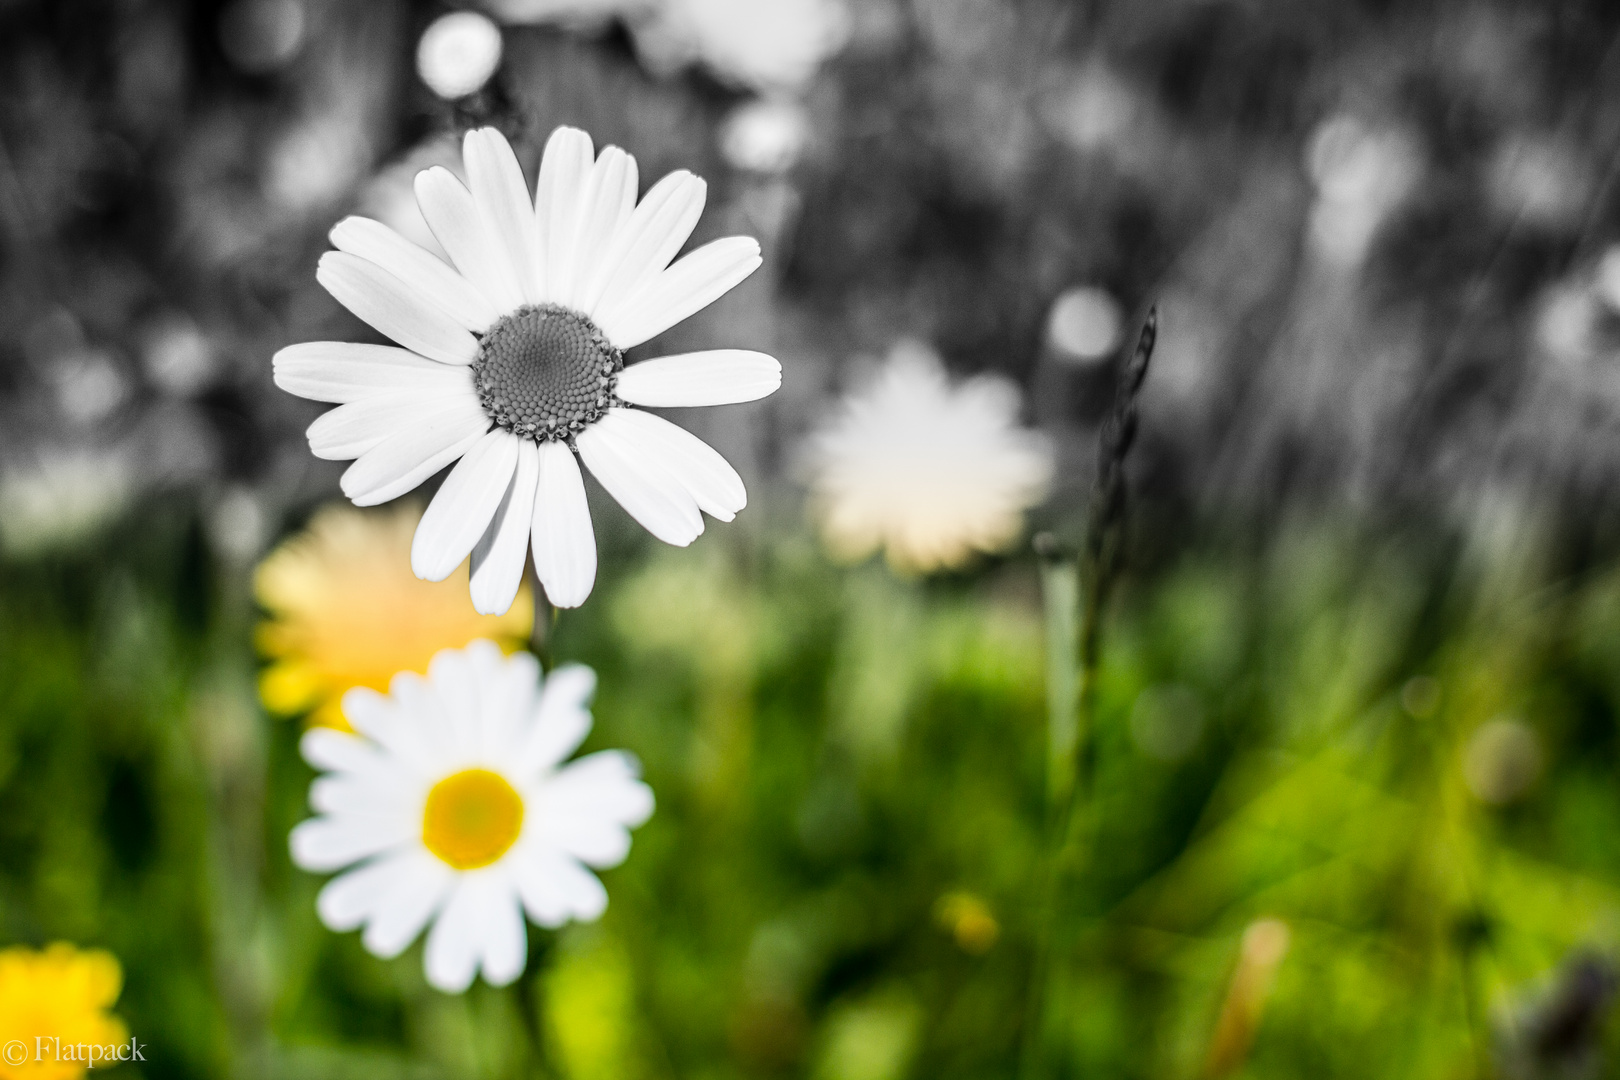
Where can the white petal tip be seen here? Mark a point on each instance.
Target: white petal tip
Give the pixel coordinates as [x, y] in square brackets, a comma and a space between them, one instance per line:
[335, 233]
[485, 606]
[449, 986]
[431, 573]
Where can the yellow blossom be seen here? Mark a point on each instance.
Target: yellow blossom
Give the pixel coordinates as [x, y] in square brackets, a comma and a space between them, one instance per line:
[346, 611]
[53, 1012]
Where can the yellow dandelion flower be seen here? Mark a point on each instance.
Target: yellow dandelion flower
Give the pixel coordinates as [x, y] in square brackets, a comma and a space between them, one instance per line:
[53, 1018]
[346, 611]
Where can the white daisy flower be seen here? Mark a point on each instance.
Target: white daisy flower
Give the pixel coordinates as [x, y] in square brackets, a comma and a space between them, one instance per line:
[929, 472]
[454, 801]
[512, 361]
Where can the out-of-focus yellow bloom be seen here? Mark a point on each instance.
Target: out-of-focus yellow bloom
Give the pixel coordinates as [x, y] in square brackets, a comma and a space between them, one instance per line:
[346, 611]
[53, 1005]
[969, 921]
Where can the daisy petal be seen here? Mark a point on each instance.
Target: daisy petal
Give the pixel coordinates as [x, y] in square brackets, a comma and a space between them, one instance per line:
[570, 686]
[503, 945]
[350, 430]
[421, 883]
[561, 722]
[502, 196]
[348, 900]
[605, 785]
[337, 751]
[424, 722]
[564, 170]
[594, 841]
[328, 843]
[497, 560]
[646, 490]
[408, 457]
[582, 890]
[451, 959]
[451, 213]
[555, 888]
[608, 201]
[511, 692]
[563, 540]
[571, 818]
[717, 377]
[339, 793]
[391, 724]
[341, 371]
[394, 310]
[707, 476]
[456, 687]
[464, 505]
[423, 272]
[653, 236]
[690, 285]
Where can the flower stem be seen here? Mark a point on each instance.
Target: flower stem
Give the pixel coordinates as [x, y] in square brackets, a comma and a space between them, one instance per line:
[544, 628]
[529, 1008]
[1060, 595]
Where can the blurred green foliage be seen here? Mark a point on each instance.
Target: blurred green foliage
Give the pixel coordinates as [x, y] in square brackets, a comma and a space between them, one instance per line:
[1403, 751]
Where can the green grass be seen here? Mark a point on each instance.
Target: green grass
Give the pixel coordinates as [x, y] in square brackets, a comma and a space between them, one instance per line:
[835, 752]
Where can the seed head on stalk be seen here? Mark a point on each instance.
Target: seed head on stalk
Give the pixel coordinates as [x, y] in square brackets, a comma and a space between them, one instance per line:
[1074, 590]
[1106, 520]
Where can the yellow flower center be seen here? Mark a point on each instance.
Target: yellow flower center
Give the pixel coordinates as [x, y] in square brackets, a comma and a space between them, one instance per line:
[472, 818]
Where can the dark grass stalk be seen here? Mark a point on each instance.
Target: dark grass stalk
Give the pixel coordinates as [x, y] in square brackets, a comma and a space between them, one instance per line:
[1075, 588]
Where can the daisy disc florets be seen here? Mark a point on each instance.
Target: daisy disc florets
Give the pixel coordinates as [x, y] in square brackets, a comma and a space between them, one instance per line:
[544, 373]
[511, 362]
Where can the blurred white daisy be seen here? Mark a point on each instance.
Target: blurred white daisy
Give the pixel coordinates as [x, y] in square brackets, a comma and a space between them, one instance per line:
[454, 801]
[759, 44]
[929, 472]
[62, 497]
[513, 361]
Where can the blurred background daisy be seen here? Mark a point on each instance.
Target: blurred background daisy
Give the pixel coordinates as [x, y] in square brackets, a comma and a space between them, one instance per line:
[929, 473]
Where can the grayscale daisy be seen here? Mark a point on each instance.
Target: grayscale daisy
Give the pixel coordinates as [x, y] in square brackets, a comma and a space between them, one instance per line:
[510, 361]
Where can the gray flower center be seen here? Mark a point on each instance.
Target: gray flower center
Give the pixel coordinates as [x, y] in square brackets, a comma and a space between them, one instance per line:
[544, 372]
